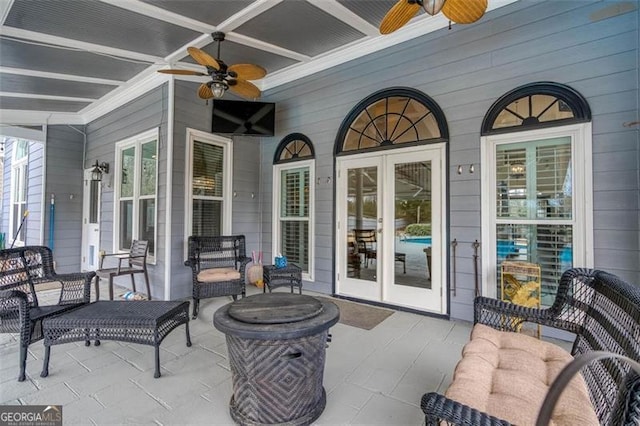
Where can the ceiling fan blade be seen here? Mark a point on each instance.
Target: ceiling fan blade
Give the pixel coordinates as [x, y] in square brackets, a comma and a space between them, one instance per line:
[203, 58]
[181, 72]
[398, 15]
[204, 91]
[245, 89]
[248, 71]
[464, 11]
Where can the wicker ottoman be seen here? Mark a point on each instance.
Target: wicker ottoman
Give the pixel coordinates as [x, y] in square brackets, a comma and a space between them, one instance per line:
[144, 322]
[276, 345]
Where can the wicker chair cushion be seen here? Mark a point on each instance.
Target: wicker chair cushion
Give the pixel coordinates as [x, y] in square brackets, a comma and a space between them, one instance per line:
[214, 275]
[507, 375]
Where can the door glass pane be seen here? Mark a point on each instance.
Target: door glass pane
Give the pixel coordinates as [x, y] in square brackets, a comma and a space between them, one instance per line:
[127, 173]
[362, 218]
[147, 225]
[412, 233]
[126, 224]
[93, 200]
[207, 217]
[548, 246]
[208, 163]
[148, 182]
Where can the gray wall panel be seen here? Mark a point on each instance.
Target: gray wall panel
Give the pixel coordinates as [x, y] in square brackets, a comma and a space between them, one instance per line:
[65, 180]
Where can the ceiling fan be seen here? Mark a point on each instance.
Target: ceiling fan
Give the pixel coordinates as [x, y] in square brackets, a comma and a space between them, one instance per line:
[223, 77]
[458, 11]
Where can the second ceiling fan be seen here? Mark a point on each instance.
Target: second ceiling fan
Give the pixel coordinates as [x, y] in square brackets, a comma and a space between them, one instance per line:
[458, 11]
[223, 76]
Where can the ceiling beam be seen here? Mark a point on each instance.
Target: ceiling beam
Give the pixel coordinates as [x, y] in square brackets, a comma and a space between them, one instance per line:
[267, 47]
[49, 97]
[246, 14]
[344, 14]
[161, 14]
[70, 44]
[57, 76]
[5, 6]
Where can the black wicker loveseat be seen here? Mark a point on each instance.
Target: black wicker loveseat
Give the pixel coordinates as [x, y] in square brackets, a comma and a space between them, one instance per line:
[23, 271]
[599, 308]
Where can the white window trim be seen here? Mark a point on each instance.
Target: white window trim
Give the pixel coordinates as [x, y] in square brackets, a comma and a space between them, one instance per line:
[582, 184]
[148, 136]
[277, 169]
[227, 206]
[16, 164]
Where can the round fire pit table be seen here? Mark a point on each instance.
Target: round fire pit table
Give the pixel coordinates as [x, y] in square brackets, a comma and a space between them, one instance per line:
[276, 345]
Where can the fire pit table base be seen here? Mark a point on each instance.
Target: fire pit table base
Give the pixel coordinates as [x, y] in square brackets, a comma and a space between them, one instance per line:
[308, 418]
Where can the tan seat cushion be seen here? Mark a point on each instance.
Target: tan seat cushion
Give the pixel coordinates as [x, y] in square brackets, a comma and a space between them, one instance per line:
[508, 375]
[217, 275]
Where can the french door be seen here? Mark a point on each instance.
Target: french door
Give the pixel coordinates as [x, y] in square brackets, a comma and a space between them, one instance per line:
[390, 220]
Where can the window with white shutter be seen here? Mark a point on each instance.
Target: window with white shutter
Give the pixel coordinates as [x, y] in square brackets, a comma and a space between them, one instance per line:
[537, 199]
[293, 202]
[208, 209]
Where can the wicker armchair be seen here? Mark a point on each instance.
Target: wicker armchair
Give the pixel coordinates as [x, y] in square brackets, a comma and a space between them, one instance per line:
[218, 267]
[22, 271]
[603, 312]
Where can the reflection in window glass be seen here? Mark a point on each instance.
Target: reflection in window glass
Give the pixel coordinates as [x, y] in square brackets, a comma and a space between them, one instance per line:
[208, 164]
[148, 158]
[207, 217]
[549, 246]
[534, 184]
[136, 216]
[127, 166]
[390, 121]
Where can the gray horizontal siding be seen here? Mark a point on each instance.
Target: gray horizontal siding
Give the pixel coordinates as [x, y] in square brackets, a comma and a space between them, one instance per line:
[465, 70]
[65, 180]
[144, 113]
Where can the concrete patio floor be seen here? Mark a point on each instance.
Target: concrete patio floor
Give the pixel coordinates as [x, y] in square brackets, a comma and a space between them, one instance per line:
[371, 377]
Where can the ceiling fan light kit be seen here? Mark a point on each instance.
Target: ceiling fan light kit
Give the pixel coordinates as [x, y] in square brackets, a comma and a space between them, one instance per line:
[458, 11]
[433, 7]
[223, 77]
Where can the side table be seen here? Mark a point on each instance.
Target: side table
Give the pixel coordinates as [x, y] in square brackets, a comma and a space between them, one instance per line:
[290, 275]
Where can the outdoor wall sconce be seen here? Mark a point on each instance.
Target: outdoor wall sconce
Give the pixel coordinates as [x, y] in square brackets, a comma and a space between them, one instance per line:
[98, 170]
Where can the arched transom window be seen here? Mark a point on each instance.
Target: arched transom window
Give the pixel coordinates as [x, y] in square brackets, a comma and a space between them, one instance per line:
[536, 105]
[292, 147]
[391, 117]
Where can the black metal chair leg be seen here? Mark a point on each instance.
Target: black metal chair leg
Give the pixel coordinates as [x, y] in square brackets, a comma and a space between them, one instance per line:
[188, 335]
[45, 364]
[23, 363]
[196, 303]
[157, 373]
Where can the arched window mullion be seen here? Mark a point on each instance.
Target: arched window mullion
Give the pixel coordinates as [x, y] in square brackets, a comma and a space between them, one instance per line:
[555, 101]
[404, 109]
[575, 108]
[291, 148]
[407, 100]
[375, 126]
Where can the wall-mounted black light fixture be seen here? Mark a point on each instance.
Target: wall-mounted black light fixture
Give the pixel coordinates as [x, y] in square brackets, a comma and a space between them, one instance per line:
[98, 170]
